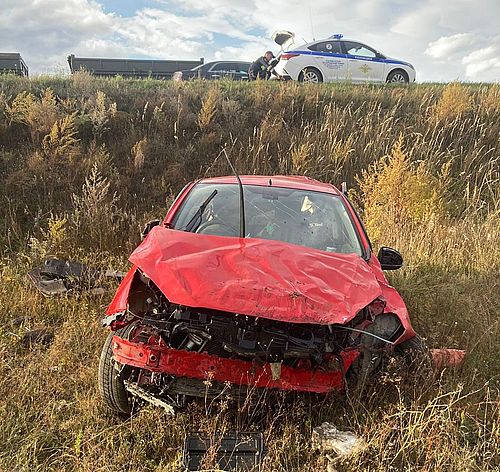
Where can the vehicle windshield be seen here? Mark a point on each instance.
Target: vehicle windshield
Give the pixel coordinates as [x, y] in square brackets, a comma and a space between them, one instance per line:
[307, 218]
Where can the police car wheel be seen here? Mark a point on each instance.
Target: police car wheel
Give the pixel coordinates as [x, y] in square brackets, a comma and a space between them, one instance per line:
[310, 76]
[398, 77]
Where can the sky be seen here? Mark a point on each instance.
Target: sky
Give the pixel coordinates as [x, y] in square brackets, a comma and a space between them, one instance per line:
[445, 39]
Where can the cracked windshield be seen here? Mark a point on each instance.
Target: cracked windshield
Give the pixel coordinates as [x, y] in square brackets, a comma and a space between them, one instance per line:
[306, 218]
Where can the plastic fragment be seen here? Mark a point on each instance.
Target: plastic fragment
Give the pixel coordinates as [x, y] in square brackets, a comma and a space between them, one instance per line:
[328, 438]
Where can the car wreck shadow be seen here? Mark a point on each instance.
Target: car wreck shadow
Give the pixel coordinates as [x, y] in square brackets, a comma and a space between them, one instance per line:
[271, 411]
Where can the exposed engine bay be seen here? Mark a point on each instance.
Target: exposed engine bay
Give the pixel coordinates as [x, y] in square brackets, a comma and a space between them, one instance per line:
[246, 337]
[236, 336]
[157, 324]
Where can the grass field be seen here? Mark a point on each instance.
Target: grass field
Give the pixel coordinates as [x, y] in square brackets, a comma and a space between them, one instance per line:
[85, 162]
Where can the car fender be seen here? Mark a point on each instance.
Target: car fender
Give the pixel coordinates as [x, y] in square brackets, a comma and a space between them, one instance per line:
[394, 301]
[119, 303]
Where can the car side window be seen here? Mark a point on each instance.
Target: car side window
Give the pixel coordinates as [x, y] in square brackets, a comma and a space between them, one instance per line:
[232, 67]
[332, 47]
[358, 49]
[223, 67]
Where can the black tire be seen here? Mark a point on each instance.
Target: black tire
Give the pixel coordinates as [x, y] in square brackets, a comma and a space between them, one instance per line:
[110, 380]
[369, 362]
[310, 75]
[398, 76]
[415, 353]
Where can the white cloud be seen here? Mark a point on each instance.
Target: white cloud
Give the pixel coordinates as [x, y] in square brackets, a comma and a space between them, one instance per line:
[44, 30]
[449, 46]
[418, 22]
[245, 53]
[484, 63]
[479, 54]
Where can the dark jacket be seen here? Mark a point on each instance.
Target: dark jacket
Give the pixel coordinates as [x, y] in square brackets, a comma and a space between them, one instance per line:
[260, 69]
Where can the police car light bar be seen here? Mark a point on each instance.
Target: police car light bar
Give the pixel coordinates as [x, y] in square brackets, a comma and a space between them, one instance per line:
[336, 36]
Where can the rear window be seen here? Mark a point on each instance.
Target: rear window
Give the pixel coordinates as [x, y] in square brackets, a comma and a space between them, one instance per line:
[327, 46]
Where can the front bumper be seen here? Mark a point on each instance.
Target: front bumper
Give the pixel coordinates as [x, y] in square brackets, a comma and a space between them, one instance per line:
[208, 367]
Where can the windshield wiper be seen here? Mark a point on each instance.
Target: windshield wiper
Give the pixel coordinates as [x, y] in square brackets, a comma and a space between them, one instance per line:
[195, 221]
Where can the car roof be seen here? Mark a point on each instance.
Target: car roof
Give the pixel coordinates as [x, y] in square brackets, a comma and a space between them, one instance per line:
[209, 63]
[335, 40]
[222, 62]
[285, 181]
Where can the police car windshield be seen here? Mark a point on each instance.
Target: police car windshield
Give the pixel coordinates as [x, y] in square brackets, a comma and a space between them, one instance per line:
[303, 217]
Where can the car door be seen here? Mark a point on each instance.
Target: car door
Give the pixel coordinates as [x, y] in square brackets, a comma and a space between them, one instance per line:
[330, 60]
[232, 70]
[363, 63]
[242, 70]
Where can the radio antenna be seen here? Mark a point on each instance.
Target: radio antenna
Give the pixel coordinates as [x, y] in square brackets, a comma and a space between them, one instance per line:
[242, 198]
[311, 19]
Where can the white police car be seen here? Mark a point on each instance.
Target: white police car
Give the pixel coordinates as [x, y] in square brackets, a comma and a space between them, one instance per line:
[337, 59]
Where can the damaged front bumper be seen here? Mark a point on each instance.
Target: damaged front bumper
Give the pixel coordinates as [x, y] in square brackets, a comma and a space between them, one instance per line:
[200, 365]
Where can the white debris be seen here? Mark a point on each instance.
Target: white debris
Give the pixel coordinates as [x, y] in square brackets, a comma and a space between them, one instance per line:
[276, 370]
[328, 438]
[145, 395]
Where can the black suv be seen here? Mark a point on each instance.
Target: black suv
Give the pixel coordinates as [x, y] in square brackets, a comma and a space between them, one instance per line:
[214, 70]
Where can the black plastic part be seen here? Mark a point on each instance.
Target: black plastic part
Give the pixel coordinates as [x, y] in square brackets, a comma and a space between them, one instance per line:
[242, 451]
[57, 276]
[389, 258]
[57, 268]
[148, 227]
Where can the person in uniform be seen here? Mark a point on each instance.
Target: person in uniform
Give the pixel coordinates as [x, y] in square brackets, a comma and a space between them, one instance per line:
[261, 68]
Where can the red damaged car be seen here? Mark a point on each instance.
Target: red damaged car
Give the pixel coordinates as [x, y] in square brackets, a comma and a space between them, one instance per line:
[263, 282]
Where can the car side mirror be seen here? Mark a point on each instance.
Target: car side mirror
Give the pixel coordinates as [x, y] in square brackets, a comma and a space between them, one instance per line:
[148, 227]
[389, 258]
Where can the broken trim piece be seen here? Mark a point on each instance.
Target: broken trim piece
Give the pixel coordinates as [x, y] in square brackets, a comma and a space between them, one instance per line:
[58, 276]
[230, 450]
[146, 396]
[442, 358]
[209, 367]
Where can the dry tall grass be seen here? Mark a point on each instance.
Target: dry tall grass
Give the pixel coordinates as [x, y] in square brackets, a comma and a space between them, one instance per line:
[85, 162]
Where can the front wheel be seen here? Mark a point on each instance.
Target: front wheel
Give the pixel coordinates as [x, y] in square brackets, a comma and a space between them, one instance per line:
[398, 77]
[111, 376]
[310, 76]
[415, 353]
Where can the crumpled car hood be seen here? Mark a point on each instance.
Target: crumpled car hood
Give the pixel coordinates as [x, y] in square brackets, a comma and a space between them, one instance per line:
[256, 277]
